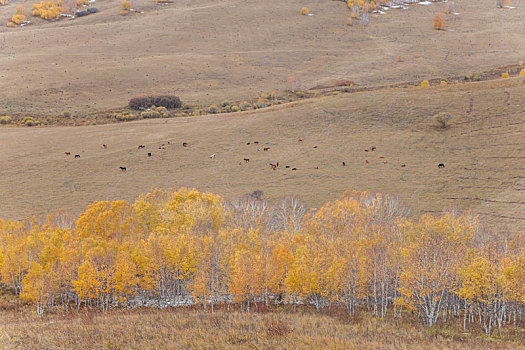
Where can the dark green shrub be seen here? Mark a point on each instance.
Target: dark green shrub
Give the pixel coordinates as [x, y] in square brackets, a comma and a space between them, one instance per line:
[168, 101]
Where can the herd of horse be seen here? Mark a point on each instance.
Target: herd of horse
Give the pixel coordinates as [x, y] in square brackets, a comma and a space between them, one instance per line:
[274, 166]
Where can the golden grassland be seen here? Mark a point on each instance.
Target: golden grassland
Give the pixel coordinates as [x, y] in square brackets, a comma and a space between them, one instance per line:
[203, 51]
[278, 328]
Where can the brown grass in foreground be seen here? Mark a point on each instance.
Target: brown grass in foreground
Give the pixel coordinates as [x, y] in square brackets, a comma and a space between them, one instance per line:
[192, 329]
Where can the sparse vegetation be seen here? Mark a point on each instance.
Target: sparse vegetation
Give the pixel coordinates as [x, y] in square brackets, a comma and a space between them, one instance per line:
[503, 3]
[126, 5]
[19, 18]
[28, 121]
[155, 112]
[439, 21]
[442, 119]
[213, 109]
[49, 10]
[126, 116]
[5, 119]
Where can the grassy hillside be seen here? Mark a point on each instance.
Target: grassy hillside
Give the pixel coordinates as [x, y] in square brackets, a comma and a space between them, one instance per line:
[203, 50]
[482, 150]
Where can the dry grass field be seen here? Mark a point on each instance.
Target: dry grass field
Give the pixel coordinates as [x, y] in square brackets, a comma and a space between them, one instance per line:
[483, 152]
[210, 51]
[186, 329]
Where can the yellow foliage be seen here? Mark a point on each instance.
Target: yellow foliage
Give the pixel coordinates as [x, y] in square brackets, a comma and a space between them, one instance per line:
[48, 10]
[188, 246]
[18, 19]
[439, 21]
[425, 83]
[305, 11]
[443, 82]
[522, 73]
[504, 75]
[126, 5]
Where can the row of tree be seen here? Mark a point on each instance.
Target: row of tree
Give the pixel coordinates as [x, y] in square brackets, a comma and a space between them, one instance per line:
[361, 251]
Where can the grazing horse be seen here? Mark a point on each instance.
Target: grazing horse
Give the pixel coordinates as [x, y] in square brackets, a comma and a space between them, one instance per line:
[266, 148]
[344, 164]
[77, 155]
[373, 148]
[246, 160]
[184, 144]
[315, 146]
[122, 168]
[247, 143]
[149, 154]
[212, 156]
[68, 153]
[104, 145]
[141, 146]
[403, 165]
[256, 142]
[441, 165]
[287, 166]
[294, 168]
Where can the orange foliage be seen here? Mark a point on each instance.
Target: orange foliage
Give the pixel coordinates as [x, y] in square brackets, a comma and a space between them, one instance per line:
[439, 22]
[190, 247]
